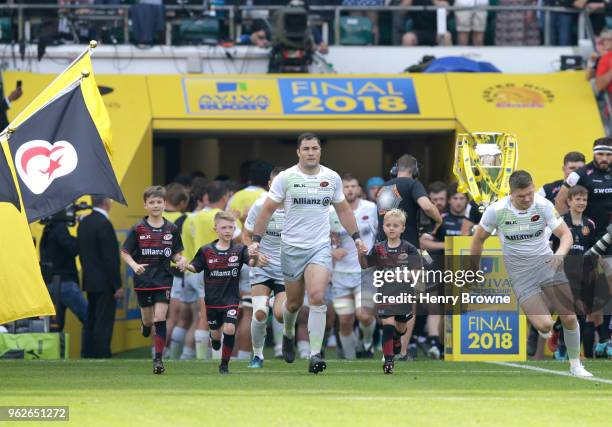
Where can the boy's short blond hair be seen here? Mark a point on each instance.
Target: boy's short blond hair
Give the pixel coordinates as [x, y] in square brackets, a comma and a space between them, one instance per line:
[396, 213]
[224, 216]
[154, 191]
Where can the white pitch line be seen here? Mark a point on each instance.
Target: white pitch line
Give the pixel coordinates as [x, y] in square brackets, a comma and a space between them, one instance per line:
[551, 371]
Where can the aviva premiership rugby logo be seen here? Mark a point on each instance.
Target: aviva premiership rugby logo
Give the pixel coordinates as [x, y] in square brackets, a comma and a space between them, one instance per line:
[512, 95]
[233, 96]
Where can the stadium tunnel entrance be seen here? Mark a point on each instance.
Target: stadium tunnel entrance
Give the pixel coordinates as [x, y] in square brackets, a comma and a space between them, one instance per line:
[363, 155]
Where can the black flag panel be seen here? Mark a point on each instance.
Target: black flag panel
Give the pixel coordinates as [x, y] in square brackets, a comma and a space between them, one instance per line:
[59, 157]
[8, 192]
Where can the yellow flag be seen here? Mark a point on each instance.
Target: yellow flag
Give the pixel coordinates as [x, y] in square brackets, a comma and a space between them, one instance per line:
[75, 71]
[23, 292]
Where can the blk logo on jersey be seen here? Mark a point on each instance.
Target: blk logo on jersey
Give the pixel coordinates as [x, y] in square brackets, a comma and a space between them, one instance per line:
[535, 218]
[324, 184]
[39, 163]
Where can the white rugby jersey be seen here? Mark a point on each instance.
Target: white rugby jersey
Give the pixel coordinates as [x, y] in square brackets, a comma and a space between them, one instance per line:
[522, 233]
[271, 240]
[306, 199]
[366, 216]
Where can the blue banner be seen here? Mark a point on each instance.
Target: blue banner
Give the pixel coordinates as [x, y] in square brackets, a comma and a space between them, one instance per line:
[490, 332]
[345, 96]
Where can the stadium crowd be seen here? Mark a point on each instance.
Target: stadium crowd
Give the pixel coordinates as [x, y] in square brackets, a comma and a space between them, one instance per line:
[417, 27]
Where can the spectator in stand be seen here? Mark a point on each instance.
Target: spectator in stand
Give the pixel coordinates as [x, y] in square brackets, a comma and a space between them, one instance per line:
[372, 16]
[603, 72]
[561, 23]
[424, 25]
[517, 28]
[598, 9]
[603, 44]
[474, 21]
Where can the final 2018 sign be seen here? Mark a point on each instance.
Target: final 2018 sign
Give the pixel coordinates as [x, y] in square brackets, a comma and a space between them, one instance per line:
[299, 96]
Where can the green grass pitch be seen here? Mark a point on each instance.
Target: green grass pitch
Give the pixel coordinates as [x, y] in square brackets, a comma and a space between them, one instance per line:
[122, 392]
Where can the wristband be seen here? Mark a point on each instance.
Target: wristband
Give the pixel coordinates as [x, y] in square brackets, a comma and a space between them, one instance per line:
[356, 235]
[256, 238]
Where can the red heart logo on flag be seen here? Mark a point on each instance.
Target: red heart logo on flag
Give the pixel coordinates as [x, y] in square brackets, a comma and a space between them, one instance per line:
[39, 163]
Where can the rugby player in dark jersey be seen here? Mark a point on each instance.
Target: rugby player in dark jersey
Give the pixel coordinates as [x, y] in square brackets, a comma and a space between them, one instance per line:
[571, 161]
[389, 255]
[578, 272]
[221, 262]
[148, 249]
[596, 177]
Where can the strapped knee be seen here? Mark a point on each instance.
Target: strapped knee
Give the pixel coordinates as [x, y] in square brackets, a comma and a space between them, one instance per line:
[260, 304]
[344, 306]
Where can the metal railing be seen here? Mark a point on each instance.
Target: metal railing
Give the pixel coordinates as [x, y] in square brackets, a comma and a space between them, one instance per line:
[120, 13]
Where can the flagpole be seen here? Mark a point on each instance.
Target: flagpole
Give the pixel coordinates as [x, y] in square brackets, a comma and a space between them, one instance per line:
[90, 49]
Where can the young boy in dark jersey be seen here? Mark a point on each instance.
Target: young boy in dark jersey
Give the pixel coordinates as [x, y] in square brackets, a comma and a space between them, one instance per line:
[221, 262]
[148, 249]
[578, 273]
[389, 255]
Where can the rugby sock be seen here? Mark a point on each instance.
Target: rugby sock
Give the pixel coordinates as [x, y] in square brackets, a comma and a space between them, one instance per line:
[160, 338]
[277, 328]
[602, 331]
[368, 333]
[388, 333]
[397, 340]
[316, 327]
[216, 344]
[348, 346]
[572, 343]
[588, 338]
[258, 336]
[289, 320]
[303, 349]
[228, 347]
[201, 343]
[177, 340]
[188, 353]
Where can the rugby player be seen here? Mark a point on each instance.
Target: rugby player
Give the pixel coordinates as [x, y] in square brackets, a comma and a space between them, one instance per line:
[596, 177]
[268, 280]
[571, 161]
[536, 274]
[352, 288]
[221, 262]
[390, 254]
[306, 190]
[148, 249]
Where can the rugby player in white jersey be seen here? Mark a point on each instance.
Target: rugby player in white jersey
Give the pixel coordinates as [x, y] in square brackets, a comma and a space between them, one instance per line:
[267, 280]
[352, 289]
[306, 191]
[536, 274]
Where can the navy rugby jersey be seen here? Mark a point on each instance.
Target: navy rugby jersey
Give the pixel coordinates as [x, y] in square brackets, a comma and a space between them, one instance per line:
[154, 247]
[599, 185]
[221, 273]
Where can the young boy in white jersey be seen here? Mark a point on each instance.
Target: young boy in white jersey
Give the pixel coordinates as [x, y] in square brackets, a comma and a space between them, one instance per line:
[537, 276]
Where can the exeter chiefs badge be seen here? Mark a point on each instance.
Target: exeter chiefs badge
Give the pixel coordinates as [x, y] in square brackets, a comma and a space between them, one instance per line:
[586, 230]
